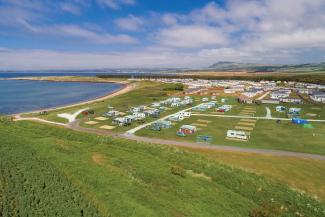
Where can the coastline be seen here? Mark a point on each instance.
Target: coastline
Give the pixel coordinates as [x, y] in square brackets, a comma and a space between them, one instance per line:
[70, 79]
[125, 87]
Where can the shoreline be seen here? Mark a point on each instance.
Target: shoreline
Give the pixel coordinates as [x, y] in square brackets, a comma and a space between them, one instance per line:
[67, 79]
[125, 87]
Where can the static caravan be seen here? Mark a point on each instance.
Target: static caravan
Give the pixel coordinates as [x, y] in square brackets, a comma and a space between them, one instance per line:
[155, 104]
[152, 113]
[112, 113]
[280, 108]
[175, 104]
[224, 108]
[159, 125]
[176, 117]
[122, 121]
[185, 114]
[139, 115]
[294, 110]
[237, 134]
[318, 97]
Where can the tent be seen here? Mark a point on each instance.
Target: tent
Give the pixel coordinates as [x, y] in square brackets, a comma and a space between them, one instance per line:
[204, 138]
[299, 121]
[187, 129]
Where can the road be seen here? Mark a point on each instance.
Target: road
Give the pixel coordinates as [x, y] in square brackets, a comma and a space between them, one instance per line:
[268, 113]
[263, 96]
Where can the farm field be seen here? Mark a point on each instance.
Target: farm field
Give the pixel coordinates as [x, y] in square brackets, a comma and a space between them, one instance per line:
[123, 178]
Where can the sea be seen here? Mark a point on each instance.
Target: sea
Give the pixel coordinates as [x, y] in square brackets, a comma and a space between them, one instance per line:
[18, 96]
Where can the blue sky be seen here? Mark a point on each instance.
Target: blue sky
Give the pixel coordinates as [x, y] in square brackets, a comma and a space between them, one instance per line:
[82, 34]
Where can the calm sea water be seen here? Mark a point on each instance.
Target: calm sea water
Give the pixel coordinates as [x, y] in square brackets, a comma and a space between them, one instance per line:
[22, 96]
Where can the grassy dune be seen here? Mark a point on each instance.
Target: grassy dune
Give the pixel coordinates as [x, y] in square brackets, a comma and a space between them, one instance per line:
[122, 178]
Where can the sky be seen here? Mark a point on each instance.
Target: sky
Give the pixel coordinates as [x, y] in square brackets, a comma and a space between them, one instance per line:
[96, 34]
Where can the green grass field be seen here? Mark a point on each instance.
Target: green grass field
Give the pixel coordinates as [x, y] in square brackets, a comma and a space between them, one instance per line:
[123, 178]
[303, 174]
[266, 134]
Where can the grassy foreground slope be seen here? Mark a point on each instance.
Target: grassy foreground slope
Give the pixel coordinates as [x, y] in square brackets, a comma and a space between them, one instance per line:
[122, 178]
[302, 174]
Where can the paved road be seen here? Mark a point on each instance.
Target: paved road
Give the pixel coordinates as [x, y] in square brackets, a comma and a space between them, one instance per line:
[268, 112]
[75, 126]
[263, 96]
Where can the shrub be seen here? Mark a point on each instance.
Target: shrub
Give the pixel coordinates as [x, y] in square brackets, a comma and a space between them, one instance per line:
[266, 210]
[178, 171]
[176, 86]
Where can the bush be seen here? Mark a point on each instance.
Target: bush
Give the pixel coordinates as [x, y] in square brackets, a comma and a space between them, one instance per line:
[5, 119]
[178, 171]
[266, 210]
[173, 87]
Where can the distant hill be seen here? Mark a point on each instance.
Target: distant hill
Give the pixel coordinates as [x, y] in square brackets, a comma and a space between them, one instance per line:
[254, 67]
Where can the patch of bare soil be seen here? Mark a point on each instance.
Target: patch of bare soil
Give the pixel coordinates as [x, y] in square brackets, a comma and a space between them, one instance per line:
[98, 158]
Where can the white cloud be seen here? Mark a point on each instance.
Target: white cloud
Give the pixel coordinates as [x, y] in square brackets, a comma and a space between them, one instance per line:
[71, 8]
[75, 31]
[131, 23]
[190, 36]
[46, 59]
[116, 4]
[169, 19]
[255, 30]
